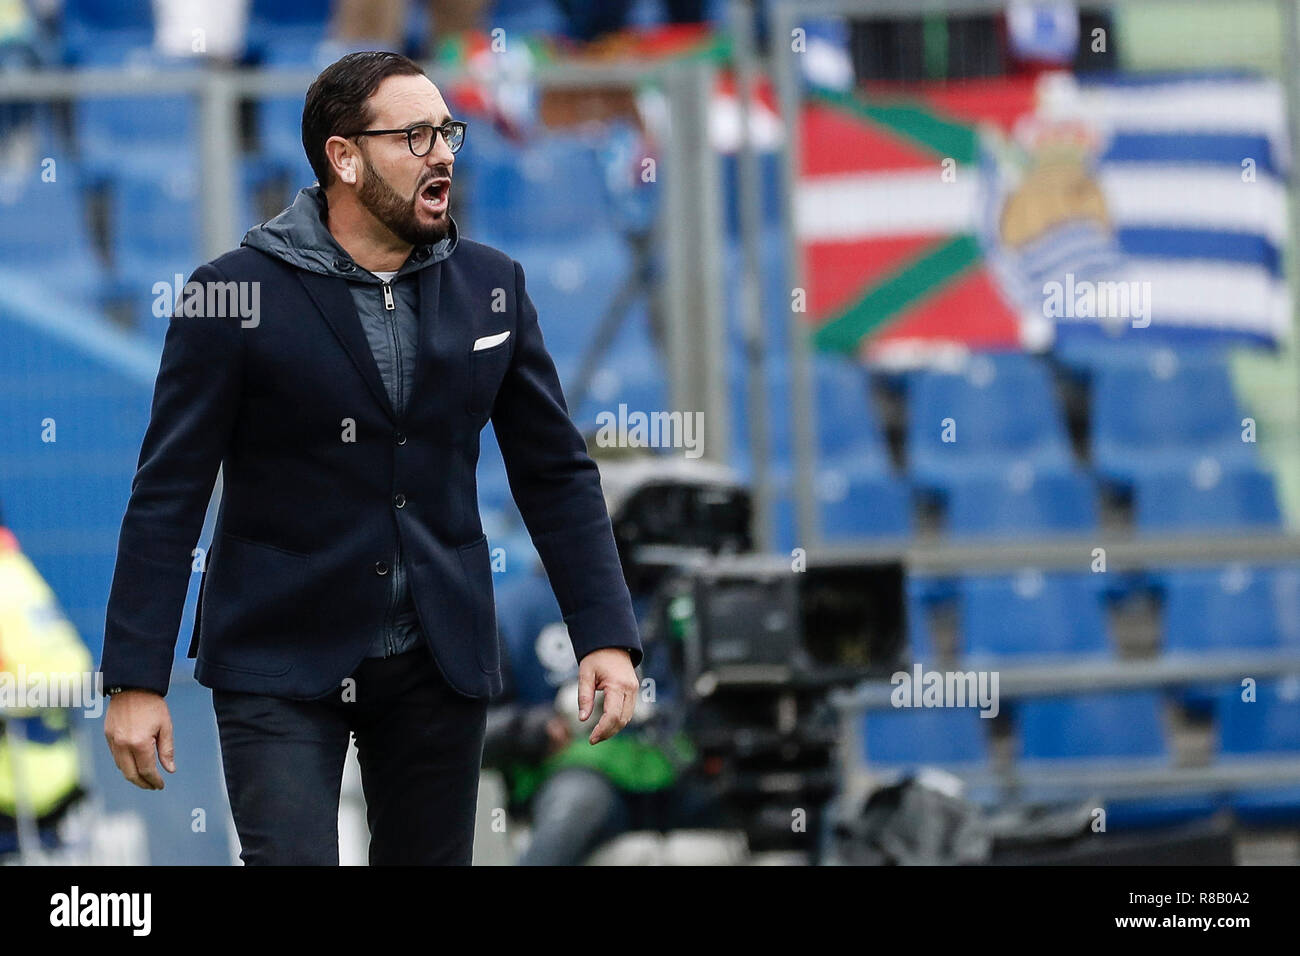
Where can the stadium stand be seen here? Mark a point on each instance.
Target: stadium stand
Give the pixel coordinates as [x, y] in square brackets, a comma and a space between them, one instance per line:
[1159, 427]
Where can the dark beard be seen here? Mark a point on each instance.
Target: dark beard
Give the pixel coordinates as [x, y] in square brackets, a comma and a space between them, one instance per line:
[384, 203]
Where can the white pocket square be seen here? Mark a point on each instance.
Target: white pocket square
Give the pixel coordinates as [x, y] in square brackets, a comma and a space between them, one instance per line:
[490, 340]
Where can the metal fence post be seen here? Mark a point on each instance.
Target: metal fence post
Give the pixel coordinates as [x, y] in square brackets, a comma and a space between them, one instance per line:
[218, 146]
[753, 324]
[691, 230]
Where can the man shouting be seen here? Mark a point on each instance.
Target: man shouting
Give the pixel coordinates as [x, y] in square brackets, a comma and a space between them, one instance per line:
[348, 589]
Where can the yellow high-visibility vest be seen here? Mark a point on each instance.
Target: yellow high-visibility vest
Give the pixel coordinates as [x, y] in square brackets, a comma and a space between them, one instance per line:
[35, 639]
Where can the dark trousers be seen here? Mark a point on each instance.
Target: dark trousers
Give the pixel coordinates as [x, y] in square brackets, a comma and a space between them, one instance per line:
[420, 746]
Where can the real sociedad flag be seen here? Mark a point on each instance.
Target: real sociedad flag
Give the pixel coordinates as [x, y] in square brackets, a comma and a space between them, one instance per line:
[997, 213]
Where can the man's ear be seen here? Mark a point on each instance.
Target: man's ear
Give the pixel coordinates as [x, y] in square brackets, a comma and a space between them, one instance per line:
[343, 159]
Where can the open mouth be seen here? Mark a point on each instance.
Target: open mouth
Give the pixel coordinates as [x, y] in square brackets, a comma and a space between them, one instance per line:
[434, 195]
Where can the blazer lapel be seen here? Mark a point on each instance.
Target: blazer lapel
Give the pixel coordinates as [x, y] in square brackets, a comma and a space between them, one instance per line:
[334, 299]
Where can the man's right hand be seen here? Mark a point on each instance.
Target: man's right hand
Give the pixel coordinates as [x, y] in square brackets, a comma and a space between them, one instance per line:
[139, 731]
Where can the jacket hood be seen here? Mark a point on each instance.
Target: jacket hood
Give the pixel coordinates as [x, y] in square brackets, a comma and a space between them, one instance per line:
[299, 236]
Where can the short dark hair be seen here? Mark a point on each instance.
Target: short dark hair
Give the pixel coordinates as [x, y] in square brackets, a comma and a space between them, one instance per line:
[336, 101]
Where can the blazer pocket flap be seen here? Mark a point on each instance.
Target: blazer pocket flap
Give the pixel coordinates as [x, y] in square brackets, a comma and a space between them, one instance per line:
[487, 341]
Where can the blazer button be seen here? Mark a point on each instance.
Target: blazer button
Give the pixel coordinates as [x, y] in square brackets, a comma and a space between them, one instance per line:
[381, 568]
[399, 501]
[400, 438]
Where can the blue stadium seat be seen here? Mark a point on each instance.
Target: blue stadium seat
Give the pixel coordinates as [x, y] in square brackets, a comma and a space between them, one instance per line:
[1105, 731]
[846, 418]
[1237, 607]
[155, 230]
[44, 232]
[1267, 727]
[856, 499]
[1001, 413]
[1163, 416]
[1085, 356]
[545, 187]
[858, 493]
[954, 738]
[1031, 615]
[848, 430]
[1096, 726]
[158, 132]
[1205, 496]
[91, 25]
[273, 23]
[524, 17]
[1021, 504]
[631, 372]
[1225, 609]
[571, 280]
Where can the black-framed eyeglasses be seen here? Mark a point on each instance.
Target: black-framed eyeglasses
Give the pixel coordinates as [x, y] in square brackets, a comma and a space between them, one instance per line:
[420, 137]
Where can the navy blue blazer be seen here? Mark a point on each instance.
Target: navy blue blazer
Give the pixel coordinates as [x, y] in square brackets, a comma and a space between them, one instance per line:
[320, 477]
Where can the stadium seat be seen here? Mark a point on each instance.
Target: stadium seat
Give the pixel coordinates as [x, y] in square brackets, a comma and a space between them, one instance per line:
[1205, 496]
[858, 493]
[273, 23]
[855, 499]
[552, 185]
[1083, 357]
[1021, 504]
[91, 25]
[1164, 416]
[1237, 607]
[1032, 614]
[848, 429]
[631, 371]
[1105, 732]
[571, 280]
[1267, 727]
[524, 17]
[160, 132]
[955, 738]
[999, 415]
[846, 420]
[858, 499]
[155, 230]
[1097, 726]
[1225, 609]
[44, 232]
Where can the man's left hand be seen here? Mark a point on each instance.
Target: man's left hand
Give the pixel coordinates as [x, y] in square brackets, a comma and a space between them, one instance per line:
[609, 669]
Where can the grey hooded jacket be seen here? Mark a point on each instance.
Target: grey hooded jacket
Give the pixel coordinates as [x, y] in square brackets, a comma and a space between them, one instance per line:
[389, 314]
